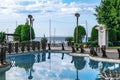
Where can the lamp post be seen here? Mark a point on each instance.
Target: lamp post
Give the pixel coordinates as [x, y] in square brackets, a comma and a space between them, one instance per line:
[77, 16]
[31, 25]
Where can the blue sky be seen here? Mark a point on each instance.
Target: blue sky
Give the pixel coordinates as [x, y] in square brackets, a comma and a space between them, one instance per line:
[60, 12]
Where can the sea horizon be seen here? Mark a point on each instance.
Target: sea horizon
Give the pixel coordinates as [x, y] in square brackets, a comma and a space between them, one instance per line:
[56, 39]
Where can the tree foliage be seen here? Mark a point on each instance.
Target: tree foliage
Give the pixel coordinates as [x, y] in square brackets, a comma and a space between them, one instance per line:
[80, 35]
[18, 31]
[112, 35]
[2, 36]
[108, 13]
[24, 31]
[94, 34]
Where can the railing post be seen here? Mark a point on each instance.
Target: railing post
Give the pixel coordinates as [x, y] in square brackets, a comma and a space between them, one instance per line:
[73, 49]
[33, 46]
[9, 47]
[16, 47]
[77, 48]
[22, 47]
[63, 47]
[49, 46]
[3, 55]
[28, 46]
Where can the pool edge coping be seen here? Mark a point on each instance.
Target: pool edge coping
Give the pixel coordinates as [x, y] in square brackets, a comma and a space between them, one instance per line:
[96, 58]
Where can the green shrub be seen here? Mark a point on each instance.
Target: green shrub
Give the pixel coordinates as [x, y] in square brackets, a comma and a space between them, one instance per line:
[110, 44]
[2, 37]
[44, 43]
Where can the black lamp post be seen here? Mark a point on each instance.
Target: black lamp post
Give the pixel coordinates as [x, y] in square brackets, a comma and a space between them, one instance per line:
[77, 16]
[31, 25]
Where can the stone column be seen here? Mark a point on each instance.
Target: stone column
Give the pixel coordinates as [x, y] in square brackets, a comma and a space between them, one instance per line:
[102, 36]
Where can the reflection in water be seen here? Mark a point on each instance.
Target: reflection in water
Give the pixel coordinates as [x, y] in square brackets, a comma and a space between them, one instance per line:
[49, 55]
[23, 61]
[109, 71]
[62, 56]
[41, 57]
[36, 67]
[79, 64]
[31, 68]
[106, 65]
[38, 57]
[93, 64]
[3, 76]
[30, 76]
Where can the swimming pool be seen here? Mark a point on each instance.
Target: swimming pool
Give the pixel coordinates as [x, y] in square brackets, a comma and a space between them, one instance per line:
[54, 66]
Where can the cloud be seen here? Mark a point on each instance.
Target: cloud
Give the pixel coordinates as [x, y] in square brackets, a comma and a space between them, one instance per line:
[43, 7]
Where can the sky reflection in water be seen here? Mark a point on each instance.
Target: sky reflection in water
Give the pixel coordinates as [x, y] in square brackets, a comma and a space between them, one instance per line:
[53, 66]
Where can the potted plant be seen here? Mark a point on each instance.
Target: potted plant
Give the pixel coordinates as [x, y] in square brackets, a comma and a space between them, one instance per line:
[44, 43]
[69, 40]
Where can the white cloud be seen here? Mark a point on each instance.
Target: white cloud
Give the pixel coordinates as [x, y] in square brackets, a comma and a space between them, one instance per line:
[17, 10]
[69, 10]
[42, 7]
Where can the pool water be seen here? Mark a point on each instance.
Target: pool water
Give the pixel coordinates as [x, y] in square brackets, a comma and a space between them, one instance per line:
[54, 66]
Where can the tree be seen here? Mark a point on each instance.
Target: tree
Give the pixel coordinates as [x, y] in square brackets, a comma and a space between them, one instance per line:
[94, 34]
[118, 34]
[25, 33]
[18, 31]
[108, 13]
[81, 33]
[2, 36]
[112, 35]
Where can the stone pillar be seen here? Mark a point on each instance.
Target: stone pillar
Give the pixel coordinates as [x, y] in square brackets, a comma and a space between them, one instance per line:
[102, 36]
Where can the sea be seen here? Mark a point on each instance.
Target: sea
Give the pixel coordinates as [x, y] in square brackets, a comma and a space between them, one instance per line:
[52, 39]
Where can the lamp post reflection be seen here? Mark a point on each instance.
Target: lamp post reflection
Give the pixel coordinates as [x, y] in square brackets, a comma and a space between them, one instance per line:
[31, 67]
[30, 76]
[49, 57]
[62, 56]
